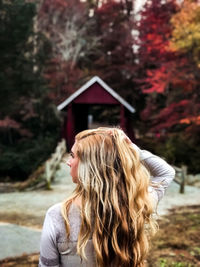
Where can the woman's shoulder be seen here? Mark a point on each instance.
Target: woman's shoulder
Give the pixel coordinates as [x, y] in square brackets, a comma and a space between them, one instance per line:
[55, 219]
[55, 209]
[55, 215]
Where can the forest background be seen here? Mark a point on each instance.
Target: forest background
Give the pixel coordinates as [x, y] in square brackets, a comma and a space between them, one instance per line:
[49, 48]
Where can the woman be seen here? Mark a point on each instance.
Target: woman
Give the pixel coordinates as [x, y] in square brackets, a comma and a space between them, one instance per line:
[108, 220]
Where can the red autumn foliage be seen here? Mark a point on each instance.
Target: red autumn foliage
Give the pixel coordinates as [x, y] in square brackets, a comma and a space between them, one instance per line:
[170, 79]
[154, 28]
[63, 80]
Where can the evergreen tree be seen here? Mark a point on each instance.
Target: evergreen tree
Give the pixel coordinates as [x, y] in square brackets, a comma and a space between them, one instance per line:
[29, 125]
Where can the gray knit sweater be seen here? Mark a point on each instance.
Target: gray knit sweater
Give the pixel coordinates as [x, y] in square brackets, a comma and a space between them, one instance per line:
[57, 250]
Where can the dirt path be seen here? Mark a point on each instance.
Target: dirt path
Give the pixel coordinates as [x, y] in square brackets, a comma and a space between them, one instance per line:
[174, 199]
[28, 208]
[22, 215]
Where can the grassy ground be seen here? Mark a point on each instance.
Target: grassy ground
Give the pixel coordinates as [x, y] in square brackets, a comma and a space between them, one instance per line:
[177, 243]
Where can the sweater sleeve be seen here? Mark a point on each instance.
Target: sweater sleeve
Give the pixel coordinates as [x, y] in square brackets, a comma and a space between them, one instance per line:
[49, 255]
[161, 173]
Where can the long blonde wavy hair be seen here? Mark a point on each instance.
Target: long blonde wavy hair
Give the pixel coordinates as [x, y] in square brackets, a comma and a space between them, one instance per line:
[116, 207]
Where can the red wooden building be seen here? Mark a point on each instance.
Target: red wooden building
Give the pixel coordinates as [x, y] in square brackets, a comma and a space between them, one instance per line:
[94, 92]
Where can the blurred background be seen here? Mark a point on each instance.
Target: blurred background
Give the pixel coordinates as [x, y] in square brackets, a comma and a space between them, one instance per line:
[148, 52]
